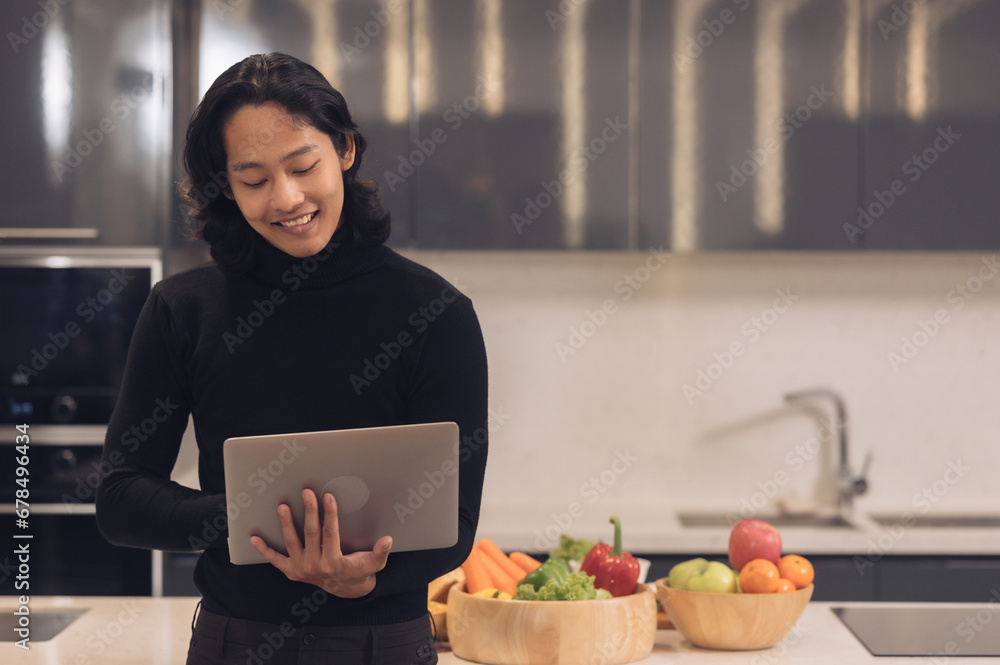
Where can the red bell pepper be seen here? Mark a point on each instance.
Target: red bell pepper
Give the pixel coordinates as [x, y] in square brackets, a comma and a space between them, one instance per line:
[614, 570]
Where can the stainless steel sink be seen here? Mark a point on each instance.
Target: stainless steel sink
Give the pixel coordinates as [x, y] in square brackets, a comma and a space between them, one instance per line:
[939, 521]
[43, 625]
[777, 520]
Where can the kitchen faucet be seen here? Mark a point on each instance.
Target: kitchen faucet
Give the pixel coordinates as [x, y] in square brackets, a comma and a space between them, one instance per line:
[848, 485]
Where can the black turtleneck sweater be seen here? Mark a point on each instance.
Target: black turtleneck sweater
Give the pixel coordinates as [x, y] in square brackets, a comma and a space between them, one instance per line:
[293, 345]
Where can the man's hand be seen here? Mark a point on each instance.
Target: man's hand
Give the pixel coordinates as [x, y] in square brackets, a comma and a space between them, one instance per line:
[320, 560]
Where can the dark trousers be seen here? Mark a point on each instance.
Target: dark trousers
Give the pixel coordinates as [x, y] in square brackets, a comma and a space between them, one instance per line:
[218, 640]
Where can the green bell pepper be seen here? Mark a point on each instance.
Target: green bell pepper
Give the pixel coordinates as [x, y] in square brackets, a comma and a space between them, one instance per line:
[552, 569]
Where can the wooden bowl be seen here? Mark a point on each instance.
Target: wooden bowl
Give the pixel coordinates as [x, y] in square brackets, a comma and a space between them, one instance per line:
[733, 621]
[612, 631]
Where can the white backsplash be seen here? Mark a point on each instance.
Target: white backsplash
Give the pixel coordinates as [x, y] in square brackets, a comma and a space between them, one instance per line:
[597, 421]
[599, 424]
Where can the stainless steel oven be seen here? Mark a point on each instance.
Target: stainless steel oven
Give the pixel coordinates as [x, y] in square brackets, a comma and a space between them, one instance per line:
[69, 313]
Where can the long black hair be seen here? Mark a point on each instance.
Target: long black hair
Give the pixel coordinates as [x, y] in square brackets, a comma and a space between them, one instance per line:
[308, 97]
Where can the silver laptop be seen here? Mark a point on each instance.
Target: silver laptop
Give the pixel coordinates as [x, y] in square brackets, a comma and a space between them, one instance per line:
[399, 481]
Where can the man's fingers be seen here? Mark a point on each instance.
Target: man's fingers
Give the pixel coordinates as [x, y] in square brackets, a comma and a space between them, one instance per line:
[310, 528]
[331, 526]
[317, 558]
[288, 532]
[382, 549]
[366, 564]
[273, 557]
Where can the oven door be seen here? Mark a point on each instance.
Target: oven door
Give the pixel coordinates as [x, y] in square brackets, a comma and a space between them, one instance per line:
[68, 556]
[66, 553]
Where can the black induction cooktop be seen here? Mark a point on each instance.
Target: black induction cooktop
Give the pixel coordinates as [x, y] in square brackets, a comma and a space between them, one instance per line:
[972, 630]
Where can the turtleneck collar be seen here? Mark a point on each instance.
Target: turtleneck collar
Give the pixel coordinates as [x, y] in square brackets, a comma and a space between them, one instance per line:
[335, 263]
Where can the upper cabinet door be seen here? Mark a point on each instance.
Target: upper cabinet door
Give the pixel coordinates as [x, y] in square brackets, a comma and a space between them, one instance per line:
[749, 122]
[522, 124]
[932, 154]
[86, 121]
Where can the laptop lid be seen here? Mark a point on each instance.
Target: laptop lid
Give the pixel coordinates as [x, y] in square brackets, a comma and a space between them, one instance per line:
[399, 481]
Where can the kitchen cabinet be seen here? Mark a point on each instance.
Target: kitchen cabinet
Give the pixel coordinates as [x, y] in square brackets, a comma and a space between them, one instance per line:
[738, 126]
[932, 137]
[721, 125]
[85, 131]
[941, 579]
[528, 112]
[718, 125]
[839, 580]
[749, 119]
[836, 126]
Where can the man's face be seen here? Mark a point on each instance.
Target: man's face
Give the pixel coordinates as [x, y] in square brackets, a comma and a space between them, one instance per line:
[286, 177]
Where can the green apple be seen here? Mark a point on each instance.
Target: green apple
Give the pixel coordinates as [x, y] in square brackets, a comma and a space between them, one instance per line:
[716, 577]
[680, 573]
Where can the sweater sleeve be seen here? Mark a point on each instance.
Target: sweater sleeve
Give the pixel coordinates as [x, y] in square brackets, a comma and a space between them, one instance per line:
[450, 385]
[138, 505]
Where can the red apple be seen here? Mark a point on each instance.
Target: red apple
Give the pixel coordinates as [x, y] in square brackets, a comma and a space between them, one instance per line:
[753, 539]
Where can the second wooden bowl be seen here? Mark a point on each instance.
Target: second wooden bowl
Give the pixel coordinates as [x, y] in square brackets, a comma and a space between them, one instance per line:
[733, 621]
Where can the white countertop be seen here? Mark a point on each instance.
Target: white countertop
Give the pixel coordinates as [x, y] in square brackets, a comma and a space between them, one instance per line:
[664, 534]
[155, 631]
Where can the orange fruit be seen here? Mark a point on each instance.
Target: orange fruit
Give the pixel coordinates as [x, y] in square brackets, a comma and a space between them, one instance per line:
[796, 569]
[785, 586]
[759, 576]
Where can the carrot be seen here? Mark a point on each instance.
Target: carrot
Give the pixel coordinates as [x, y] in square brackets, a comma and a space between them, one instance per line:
[501, 580]
[494, 552]
[477, 577]
[527, 563]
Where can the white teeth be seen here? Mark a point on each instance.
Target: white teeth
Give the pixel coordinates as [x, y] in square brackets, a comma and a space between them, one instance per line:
[298, 221]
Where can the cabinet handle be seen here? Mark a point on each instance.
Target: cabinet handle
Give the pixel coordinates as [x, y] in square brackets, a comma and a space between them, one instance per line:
[51, 233]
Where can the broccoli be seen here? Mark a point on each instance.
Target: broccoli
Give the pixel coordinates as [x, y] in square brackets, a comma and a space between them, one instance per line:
[578, 586]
